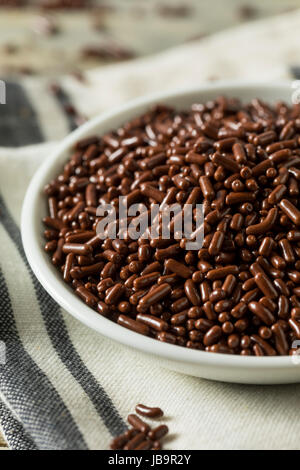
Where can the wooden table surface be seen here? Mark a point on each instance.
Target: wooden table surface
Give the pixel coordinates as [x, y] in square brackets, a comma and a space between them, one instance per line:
[141, 26]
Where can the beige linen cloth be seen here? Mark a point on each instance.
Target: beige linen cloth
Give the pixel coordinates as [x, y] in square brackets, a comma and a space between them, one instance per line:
[93, 381]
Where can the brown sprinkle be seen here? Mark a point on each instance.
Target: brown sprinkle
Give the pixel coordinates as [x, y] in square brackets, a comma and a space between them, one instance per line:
[238, 294]
[141, 436]
[148, 411]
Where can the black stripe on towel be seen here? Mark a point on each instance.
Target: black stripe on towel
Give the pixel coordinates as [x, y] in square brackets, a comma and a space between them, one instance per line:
[61, 341]
[66, 106]
[295, 71]
[29, 391]
[19, 124]
[15, 434]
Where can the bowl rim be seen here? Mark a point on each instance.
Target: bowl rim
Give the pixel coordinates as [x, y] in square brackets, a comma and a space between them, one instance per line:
[65, 296]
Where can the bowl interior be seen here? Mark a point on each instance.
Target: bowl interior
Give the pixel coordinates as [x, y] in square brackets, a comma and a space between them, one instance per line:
[34, 210]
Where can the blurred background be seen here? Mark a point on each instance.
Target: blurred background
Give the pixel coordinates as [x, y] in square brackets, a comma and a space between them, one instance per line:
[55, 57]
[51, 37]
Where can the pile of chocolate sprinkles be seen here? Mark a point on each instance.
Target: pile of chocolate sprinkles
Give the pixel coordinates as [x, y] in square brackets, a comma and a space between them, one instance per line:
[238, 294]
[141, 436]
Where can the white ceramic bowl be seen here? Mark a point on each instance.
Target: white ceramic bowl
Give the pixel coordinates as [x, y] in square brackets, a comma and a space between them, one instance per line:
[256, 370]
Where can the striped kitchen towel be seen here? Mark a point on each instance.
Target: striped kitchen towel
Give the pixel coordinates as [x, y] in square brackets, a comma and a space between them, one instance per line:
[63, 386]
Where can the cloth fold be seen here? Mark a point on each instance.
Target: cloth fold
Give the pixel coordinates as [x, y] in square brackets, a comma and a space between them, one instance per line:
[64, 386]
